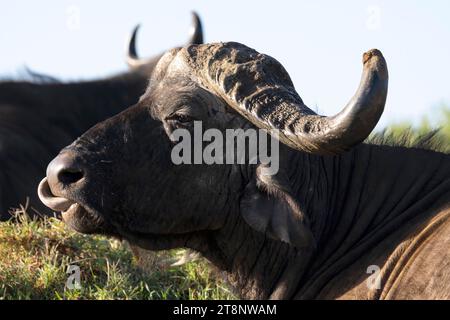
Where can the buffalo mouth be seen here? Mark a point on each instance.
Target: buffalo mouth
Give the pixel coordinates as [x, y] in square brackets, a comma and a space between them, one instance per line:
[73, 213]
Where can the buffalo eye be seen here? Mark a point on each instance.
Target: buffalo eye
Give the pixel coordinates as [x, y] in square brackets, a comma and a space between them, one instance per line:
[181, 118]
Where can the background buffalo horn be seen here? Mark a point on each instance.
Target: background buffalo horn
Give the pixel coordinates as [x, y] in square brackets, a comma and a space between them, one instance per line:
[132, 57]
[196, 32]
[259, 88]
[195, 37]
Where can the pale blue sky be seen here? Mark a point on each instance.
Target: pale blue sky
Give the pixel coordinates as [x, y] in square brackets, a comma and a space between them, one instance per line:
[319, 42]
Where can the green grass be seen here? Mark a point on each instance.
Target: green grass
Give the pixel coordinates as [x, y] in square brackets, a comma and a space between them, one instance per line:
[438, 119]
[35, 256]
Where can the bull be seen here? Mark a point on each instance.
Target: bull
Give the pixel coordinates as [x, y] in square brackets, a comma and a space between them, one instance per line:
[336, 211]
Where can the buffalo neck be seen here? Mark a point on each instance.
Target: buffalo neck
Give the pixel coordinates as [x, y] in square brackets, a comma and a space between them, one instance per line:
[355, 200]
[352, 202]
[257, 266]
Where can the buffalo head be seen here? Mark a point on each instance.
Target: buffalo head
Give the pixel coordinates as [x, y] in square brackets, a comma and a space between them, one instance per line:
[119, 178]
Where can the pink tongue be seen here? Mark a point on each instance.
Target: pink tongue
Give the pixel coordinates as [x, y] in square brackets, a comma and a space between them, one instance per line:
[47, 198]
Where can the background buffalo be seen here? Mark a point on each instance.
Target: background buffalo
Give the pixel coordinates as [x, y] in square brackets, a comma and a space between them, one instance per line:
[39, 117]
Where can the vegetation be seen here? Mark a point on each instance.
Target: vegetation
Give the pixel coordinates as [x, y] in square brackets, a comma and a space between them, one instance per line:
[35, 256]
[437, 126]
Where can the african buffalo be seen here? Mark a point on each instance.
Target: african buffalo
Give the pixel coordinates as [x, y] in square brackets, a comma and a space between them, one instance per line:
[336, 211]
[38, 118]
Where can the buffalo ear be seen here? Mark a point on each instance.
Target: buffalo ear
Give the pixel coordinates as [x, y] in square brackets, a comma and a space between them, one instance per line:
[268, 207]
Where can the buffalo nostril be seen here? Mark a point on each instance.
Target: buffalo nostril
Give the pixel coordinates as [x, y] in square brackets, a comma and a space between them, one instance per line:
[70, 175]
[64, 170]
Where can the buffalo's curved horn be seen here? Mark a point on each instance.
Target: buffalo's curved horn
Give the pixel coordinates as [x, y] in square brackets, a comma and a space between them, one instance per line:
[259, 88]
[132, 56]
[196, 32]
[195, 37]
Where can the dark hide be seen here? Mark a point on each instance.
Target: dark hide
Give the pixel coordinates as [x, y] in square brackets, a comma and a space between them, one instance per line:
[309, 232]
[38, 119]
